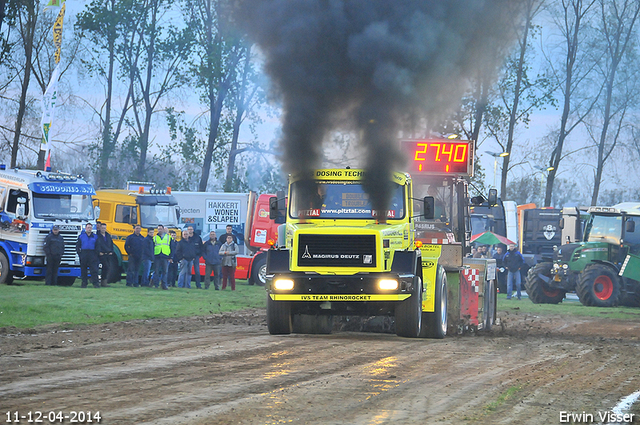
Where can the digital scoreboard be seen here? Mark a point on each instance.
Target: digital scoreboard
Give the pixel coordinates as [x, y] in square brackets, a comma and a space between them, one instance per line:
[439, 157]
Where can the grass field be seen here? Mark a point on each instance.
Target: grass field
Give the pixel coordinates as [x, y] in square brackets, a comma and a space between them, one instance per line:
[31, 304]
[569, 306]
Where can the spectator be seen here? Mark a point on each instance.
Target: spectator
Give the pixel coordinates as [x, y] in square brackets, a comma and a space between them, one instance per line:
[211, 254]
[147, 256]
[162, 257]
[172, 273]
[228, 252]
[223, 237]
[513, 261]
[134, 246]
[501, 272]
[104, 246]
[53, 251]
[86, 248]
[196, 240]
[185, 254]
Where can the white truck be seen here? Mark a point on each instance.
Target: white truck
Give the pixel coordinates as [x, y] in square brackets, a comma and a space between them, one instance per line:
[31, 203]
[248, 215]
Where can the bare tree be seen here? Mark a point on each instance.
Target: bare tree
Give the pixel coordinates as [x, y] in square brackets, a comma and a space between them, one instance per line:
[577, 66]
[519, 84]
[243, 96]
[27, 20]
[218, 52]
[99, 25]
[617, 26]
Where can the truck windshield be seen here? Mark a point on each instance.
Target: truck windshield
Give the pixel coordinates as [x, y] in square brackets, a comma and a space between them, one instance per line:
[604, 228]
[343, 199]
[152, 215]
[62, 207]
[480, 224]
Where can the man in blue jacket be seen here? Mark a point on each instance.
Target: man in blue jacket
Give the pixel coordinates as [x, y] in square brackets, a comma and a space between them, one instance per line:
[86, 248]
[134, 246]
[211, 254]
[513, 261]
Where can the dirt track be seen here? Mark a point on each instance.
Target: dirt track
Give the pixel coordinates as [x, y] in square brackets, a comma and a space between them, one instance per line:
[228, 369]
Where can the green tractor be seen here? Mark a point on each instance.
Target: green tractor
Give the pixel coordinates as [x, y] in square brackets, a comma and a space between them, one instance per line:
[591, 268]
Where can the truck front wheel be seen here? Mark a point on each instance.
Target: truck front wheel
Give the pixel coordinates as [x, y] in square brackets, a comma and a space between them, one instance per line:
[5, 273]
[259, 271]
[598, 286]
[538, 290]
[409, 312]
[278, 317]
[434, 324]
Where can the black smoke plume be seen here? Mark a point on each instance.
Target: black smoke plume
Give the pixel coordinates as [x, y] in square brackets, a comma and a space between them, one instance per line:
[377, 60]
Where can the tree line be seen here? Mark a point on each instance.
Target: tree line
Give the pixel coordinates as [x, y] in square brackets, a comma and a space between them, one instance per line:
[163, 88]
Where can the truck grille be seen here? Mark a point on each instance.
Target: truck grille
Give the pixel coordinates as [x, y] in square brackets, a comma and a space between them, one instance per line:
[70, 256]
[337, 250]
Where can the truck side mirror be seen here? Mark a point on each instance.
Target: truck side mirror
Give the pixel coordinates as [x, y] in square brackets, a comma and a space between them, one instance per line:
[630, 226]
[273, 208]
[428, 208]
[96, 212]
[282, 205]
[178, 214]
[561, 224]
[21, 207]
[493, 197]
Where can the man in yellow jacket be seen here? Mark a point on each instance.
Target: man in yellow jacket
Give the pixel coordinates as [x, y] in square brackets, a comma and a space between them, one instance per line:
[161, 256]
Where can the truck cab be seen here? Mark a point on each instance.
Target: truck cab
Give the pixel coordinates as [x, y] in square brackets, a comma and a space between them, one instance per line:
[122, 209]
[338, 255]
[31, 203]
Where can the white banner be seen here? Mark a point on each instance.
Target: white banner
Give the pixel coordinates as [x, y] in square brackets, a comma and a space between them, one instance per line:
[49, 99]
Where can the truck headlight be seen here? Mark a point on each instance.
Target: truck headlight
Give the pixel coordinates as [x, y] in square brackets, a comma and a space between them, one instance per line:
[35, 261]
[388, 284]
[283, 284]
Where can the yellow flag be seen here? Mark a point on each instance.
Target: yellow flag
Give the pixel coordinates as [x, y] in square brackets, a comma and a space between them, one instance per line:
[57, 33]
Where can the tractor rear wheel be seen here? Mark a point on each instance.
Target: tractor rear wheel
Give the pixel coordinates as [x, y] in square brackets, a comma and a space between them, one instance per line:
[409, 312]
[278, 316]
[538, 290]
[598, 286]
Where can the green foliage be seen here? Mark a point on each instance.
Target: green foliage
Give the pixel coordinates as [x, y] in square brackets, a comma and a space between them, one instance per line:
[34, 304]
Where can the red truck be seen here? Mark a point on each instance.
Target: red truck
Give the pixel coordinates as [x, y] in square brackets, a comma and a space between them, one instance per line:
[247, 213]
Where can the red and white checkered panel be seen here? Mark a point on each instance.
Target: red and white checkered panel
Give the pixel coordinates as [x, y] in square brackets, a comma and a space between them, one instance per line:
[473, 277]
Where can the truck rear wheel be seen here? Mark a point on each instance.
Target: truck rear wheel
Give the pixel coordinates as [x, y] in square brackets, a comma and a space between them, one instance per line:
[278, 317]
[434, 324]
[488, 305]
[5, 273]
[598, 286]
[538, 290]
[409, 312]
[312, 324]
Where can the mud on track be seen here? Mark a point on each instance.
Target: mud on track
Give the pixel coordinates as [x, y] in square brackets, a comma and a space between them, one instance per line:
[228, 369]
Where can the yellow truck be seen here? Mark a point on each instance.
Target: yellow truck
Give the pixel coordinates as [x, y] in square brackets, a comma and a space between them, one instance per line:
[122, 209]
[337, 256]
